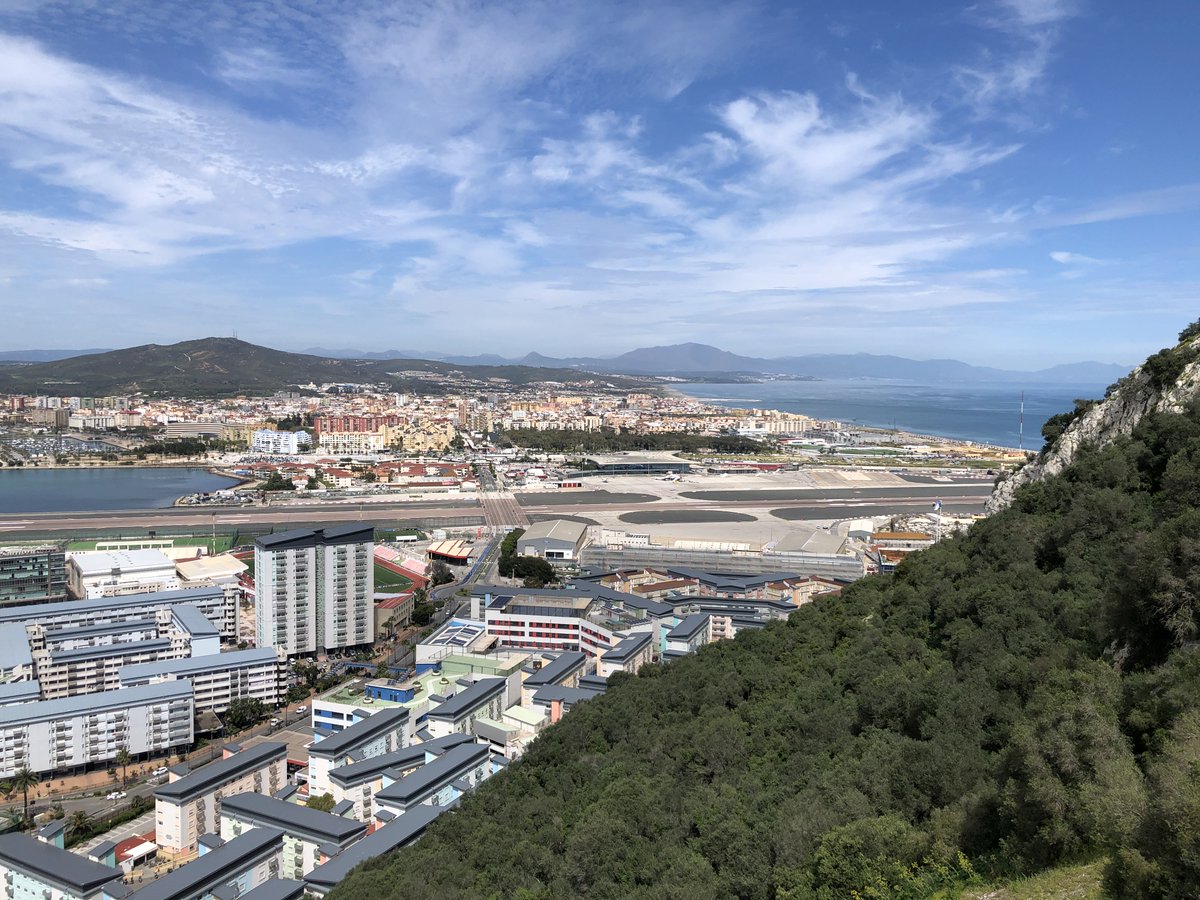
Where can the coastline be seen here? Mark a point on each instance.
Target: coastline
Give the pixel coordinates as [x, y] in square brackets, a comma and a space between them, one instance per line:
[896, 434]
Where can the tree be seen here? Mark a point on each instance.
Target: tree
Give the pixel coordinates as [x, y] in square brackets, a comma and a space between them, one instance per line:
[324, 802]
[25, 779]
[79, 821]
[123, 759]
[381, 670]
[439, 573]
[244, 712]
[277, 482]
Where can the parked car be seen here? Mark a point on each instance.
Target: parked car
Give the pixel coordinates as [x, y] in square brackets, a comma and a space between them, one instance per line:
[301, 709]
[274, 722]
[161, 770]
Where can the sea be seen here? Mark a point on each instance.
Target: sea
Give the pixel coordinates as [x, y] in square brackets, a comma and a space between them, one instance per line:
[25, 490]
[985, 413]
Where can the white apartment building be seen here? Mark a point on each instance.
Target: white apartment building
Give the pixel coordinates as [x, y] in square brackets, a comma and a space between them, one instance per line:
[629, 655]
[225, 869]
[351, 443]
[314, 589]
[444, 778]
[383, 732]
[309, 835]
[359, 782]
[482, 699]
[31, 869]
[69, 662]
[288, 443]
[189, 805]
[212, 603]
[220, 678]
[104, 573]
[75, 732]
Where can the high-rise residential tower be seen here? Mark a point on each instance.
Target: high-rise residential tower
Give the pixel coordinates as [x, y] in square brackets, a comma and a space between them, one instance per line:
[314, 589]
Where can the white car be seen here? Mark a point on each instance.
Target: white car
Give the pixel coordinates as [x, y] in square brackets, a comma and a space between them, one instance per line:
[161, 770]
[301, 709]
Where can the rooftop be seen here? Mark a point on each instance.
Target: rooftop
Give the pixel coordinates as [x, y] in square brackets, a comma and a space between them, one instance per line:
[292, 818]
[418, 784]
[234, 659]
[556, 530]
[217, 866]
[404, 830]
[688, 627]
[220, 566]
[208, 778]
[627, 647]
[94, 563]
[557, 669]
[468, 698]
[14, 646]
[405, 758]
[42, 612]
[74, 873]
[362, 731]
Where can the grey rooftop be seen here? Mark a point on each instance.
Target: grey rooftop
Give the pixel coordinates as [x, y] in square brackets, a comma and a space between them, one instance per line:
[215, 867]
[422, 782]
[368, 729]
[235, 659]
[404, 830]
[68, 871]
[467, 699]
[292, 818]
[209, 777]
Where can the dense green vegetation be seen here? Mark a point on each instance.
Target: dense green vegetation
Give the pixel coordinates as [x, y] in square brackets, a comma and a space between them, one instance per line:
[224, 367]
[568, 440]
[1014, 698]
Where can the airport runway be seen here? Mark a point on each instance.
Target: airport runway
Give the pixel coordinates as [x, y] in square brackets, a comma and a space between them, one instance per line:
[815, 503]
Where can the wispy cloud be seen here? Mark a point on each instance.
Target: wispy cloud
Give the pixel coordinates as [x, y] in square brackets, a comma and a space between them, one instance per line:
[1066, 258]
[552, 159]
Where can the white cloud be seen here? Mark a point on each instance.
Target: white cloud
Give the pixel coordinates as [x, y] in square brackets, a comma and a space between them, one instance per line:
[1066, 258]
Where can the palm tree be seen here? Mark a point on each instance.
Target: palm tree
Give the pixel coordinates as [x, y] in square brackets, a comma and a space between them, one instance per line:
[23, 781]
[79, 821]
[123, 760]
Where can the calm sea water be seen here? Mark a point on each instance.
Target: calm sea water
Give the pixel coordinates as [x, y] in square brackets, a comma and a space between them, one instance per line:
[62, 490]
[988, 413]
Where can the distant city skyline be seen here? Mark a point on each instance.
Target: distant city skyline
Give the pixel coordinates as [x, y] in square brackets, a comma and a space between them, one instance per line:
[1010, 183]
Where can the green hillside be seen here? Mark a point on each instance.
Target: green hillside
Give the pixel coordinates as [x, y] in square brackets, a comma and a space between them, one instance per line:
[1013, 699]
[222, 367]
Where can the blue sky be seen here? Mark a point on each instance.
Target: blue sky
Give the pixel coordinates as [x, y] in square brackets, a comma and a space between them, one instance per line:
[1008, 182]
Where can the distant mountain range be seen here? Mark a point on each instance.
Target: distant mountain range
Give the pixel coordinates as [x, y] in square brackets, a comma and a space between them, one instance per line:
[218, 367]
[45, 355]
[223, 367]
[702, 359]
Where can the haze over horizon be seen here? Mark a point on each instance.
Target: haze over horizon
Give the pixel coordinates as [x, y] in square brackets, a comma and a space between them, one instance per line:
[975, 181]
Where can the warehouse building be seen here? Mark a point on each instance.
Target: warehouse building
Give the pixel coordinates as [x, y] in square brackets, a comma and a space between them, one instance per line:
[558, 541]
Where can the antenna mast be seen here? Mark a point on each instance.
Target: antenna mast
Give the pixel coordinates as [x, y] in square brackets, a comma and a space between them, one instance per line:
[1021, 426]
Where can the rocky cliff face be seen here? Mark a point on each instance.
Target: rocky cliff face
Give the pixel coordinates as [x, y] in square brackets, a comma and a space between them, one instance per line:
[1117, 415]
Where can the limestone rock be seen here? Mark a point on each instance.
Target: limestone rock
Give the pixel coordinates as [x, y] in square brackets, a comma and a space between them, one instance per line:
[1108, 420]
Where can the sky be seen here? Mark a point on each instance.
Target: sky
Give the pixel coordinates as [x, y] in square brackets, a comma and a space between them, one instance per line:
[1006, 182]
